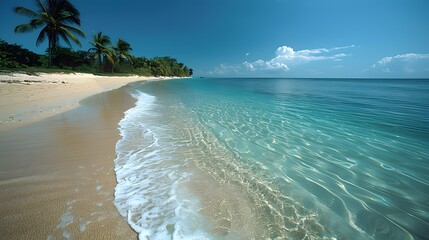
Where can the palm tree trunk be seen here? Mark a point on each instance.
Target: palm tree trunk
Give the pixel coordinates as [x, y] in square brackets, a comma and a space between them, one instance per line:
[100, 60]
[49, 54]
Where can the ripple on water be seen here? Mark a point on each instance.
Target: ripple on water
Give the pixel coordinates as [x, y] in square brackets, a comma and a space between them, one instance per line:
[338, 160]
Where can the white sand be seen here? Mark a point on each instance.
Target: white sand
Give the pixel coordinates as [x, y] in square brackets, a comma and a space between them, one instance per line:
[27, 98]
[56, 176]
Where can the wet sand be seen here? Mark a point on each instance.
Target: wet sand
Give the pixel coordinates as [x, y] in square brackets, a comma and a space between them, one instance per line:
[26, 99]
[56, 175]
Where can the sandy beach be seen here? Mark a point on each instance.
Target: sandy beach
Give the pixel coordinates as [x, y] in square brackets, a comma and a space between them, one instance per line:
[27, 98]
[57, 147]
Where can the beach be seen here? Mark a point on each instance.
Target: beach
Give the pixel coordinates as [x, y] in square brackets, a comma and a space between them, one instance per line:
[248, 158]
[28, 98]
[218, 158]
[57, 147]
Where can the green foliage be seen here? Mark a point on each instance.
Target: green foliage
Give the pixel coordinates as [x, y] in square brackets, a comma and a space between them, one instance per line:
[57, 20]
[14, 56]
[122, 51]
[161, 66]
[102, 47]
[167, 66]
[55, 17]
[67, 58]
[112, 58]
[142, 66]
[143, 72]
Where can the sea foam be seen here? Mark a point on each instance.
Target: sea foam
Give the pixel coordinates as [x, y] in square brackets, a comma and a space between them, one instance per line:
[276, 158]
[149, 191]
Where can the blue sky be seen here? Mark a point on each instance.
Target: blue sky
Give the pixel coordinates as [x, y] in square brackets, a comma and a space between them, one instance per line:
[261, 38]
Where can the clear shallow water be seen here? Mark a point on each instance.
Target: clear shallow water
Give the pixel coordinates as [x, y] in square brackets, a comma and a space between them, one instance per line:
[268, 158]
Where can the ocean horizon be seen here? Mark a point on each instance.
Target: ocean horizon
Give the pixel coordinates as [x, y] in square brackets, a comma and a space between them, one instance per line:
[276, 158]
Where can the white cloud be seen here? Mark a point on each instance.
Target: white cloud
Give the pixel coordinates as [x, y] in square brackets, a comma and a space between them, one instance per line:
[409, 69]
[285, 59]
[404, 57]
[404, 64]
[223, 69]
[260, 64]
[286, 56]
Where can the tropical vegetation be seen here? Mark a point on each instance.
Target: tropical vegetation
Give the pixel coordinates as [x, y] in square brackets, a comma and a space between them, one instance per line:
[102, 47]
[56, 17]
[58, 20]
[14, 57]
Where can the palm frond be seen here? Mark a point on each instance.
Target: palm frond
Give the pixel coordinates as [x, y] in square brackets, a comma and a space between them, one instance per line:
[57, 18]
[97, 36]
[65, 38]
[75, 30]
[65, 33]
[101, 41]
[69, 7]
[130, 58]
[42, 6]
[26, 12]
[42, 36]
[96, 55]
[67, 12]
[70, 18]
[45, 16]
[106, 40]
[23, 28]
[123, 46]
[36, 23]
[110, 57]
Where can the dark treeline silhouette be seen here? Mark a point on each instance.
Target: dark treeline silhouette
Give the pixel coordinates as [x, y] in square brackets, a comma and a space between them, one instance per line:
[59, 20]
[15, 57]
[56, 18]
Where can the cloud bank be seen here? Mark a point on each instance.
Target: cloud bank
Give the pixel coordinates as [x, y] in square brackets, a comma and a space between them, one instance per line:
[322, 62]
[403, 57]
[287, 56]
[404, 63]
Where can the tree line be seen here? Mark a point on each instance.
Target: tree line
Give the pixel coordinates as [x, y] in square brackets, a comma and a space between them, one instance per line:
[59, 20]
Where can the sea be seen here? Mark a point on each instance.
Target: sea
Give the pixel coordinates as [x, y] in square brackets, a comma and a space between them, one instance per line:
[274, 158]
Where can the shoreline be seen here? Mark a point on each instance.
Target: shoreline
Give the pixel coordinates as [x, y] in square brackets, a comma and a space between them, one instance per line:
[57, 174]
[26, 99]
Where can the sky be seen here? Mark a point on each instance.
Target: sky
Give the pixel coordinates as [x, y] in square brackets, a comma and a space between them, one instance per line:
[258, 38]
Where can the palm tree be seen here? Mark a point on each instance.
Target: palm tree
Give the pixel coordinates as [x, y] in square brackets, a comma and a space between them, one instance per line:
[56, 17]
[123, 49]
[102, 46]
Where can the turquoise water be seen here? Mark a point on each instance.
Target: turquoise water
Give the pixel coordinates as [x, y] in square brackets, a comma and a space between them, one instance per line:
[270, 158]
